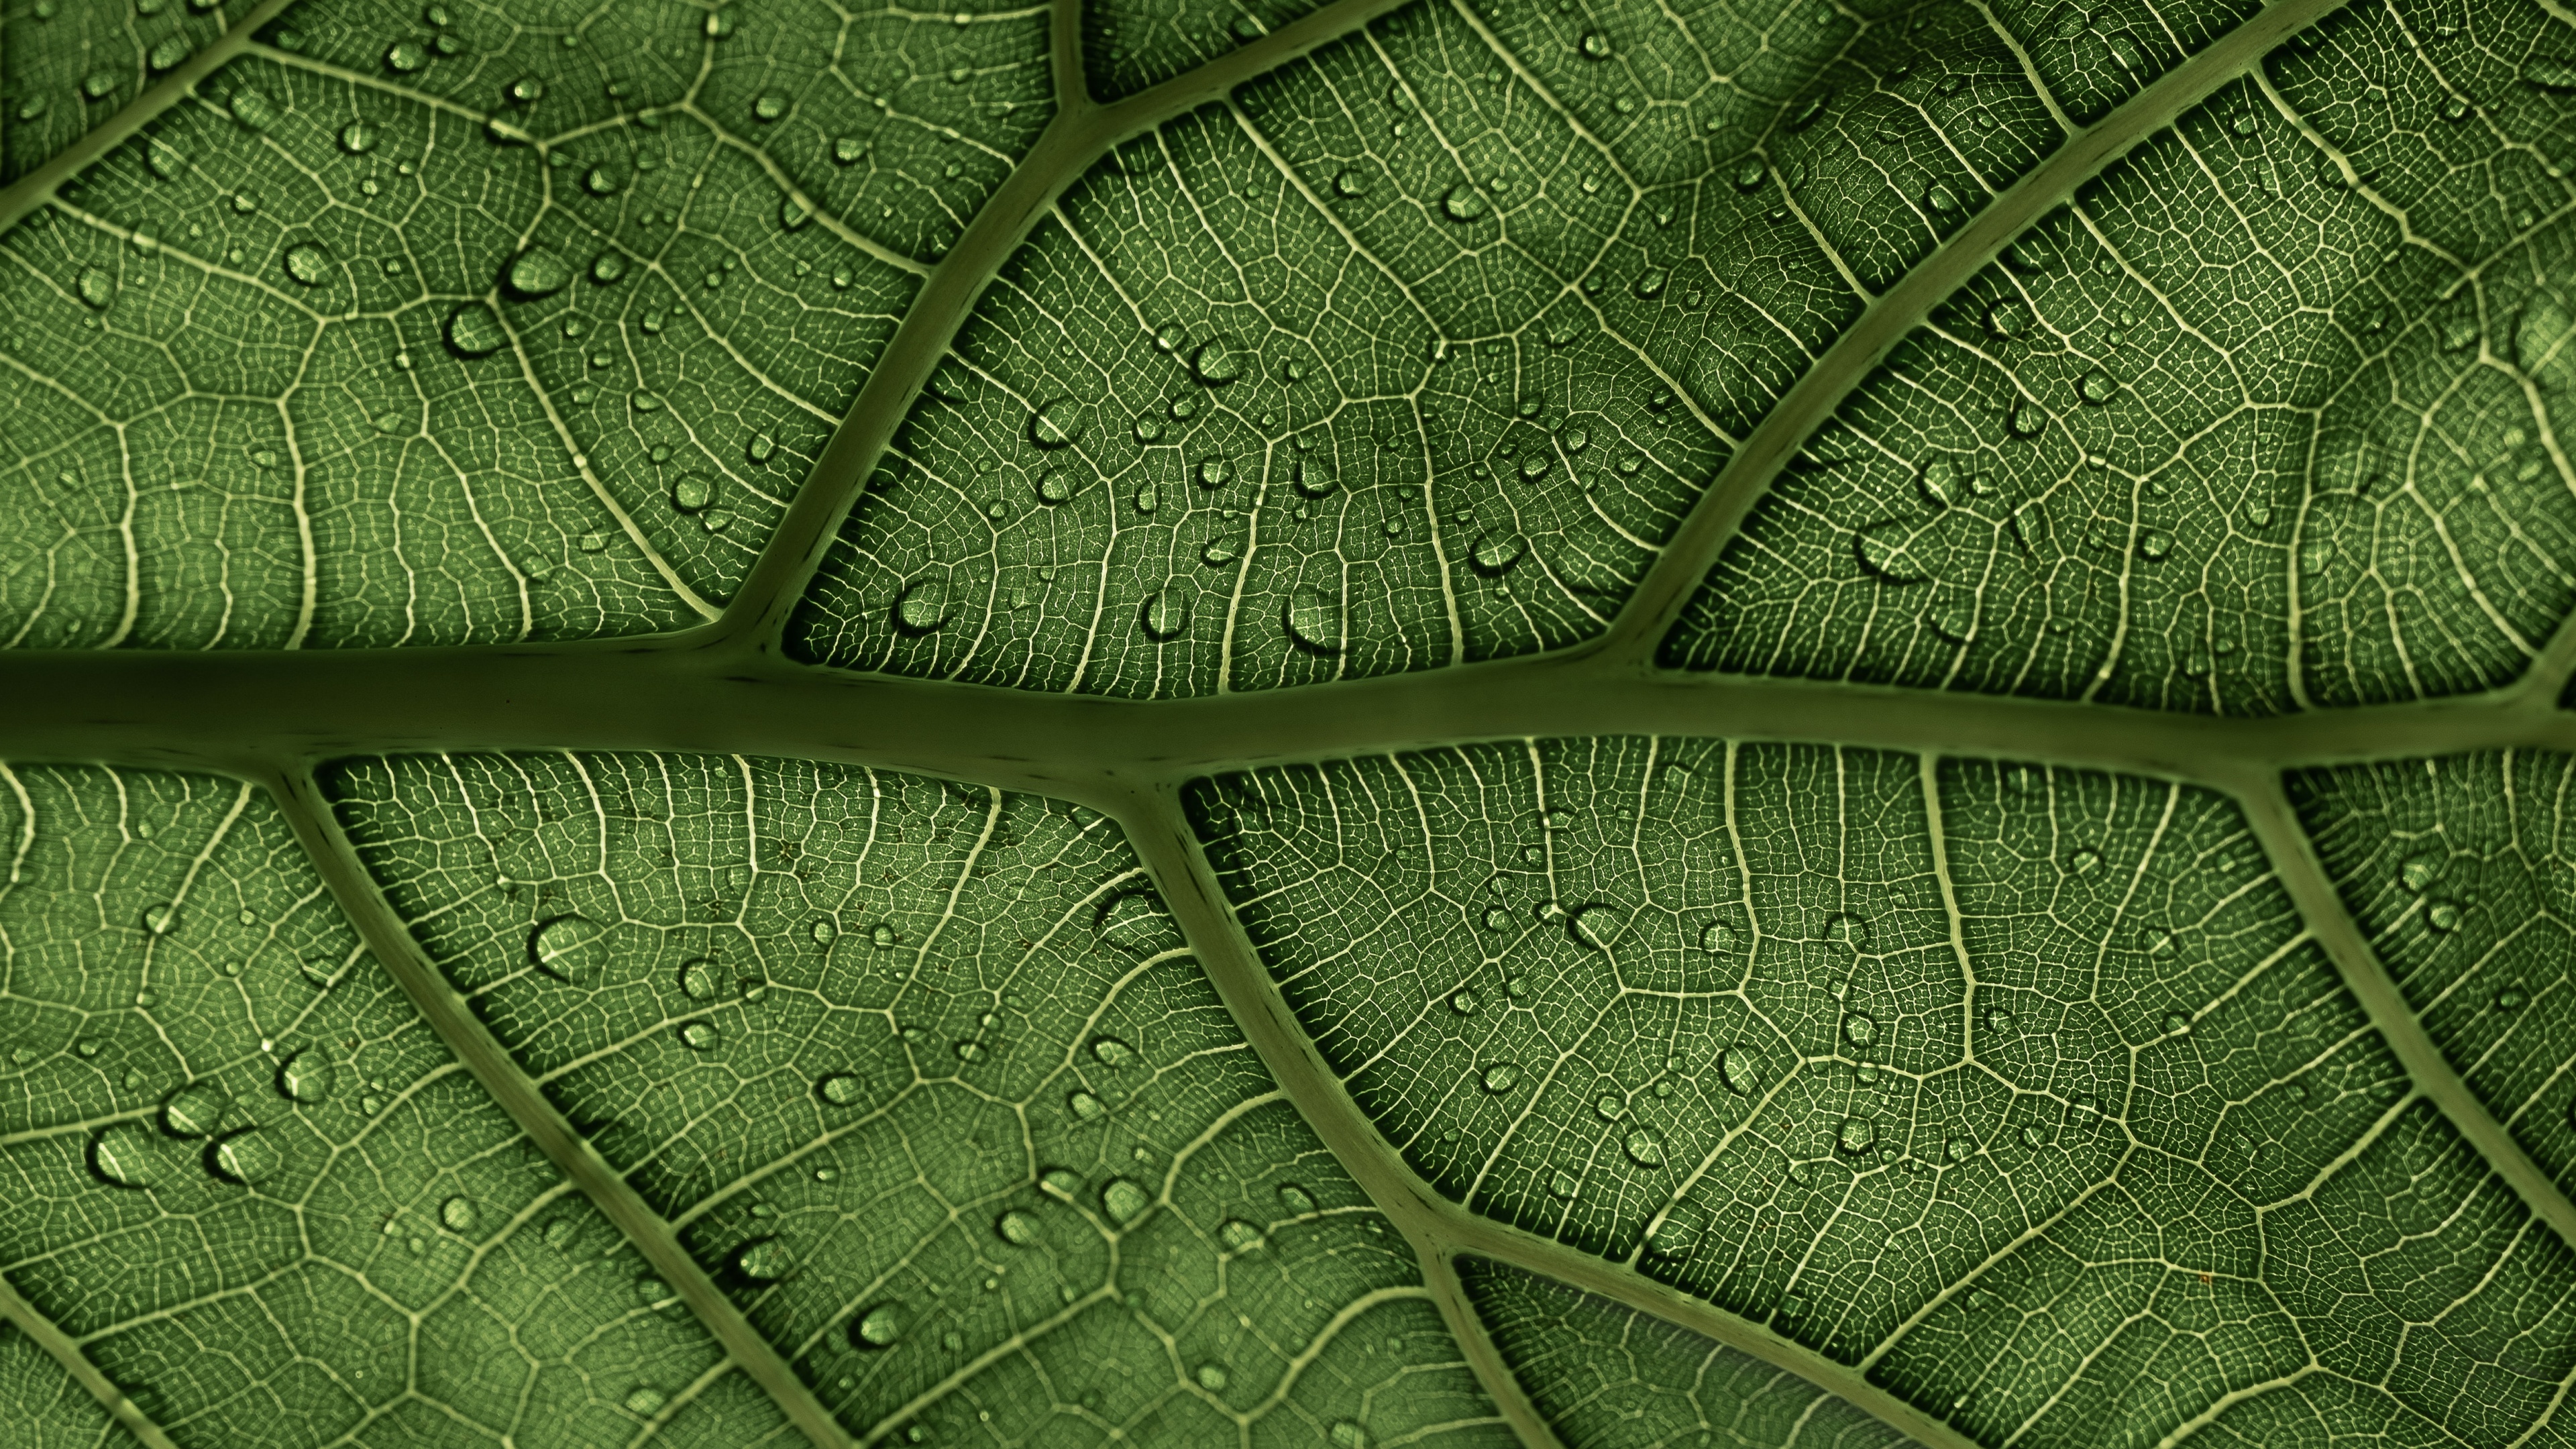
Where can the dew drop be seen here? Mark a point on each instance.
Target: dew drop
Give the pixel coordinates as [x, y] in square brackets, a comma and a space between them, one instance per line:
[1112, 1053]
[357, 138]
[698, 979]
[1347, 1434]
[243, 1156]
[253, 109]
[305, 1077]
[1311, 479]
[1295, 1199]
[1749, 173]
[568, 947]
[1846, 930]
[2549, 73]
[1123, 1200]
[1856, 1135]
[459, 1214]
[1055, 485]
[1886, 551]
[1860, 1028]
[1650, 283]
[536, 272]
[2008, 318]
[1054, 424]
[700, 1036]
[123, 1154]
[194, 1110]
[878, 1327]
[1211, 1376]
[1562, 1184]
[1349, 184]
[2084, 860]
[921, 608]
[1238, 1236]
[1941, 199]
[1645, 1149]
[1595, 45]
[2512, 998]
[645, 1401]
[2155, 543]
[1313, 620]
[473, 331]
[1165, 615]
[1595, 924]
[2028, 421]
[406, 57]
[1959, 1149]
[1216, 363]
[2158, 941]
[1465, 203]
[882, 936]
[2442, 916]
[763, 1260]
[2032, 1135]
[1740, 1070]
[2418, 872]
[1085, 1107]
[307, 265]
[1214, 472]
[841, 1089]
[1496, 554]
[2097, 387]
[1501, 1077]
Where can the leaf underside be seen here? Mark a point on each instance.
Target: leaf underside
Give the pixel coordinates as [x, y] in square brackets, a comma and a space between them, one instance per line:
[2069, 949]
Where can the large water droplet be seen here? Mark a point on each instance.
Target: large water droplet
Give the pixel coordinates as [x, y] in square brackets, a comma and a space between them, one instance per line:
[536, 272]
[1124, 1201]
[1110, 1052]
[1055, 423]
[406, 56]
[357, 138]
[123, 1154]
[841, 1089]
[1846, 930]
[1166, 615]
[195, 1110]
[1018, 1229]
[1595, 45]
[459, 1214]
[2008, 318]
[1211, 1376]
[569, 947]
[307, 265]
[1465, 203]
[1313, 620]
[1596, 924]
[1238, 1236]
[1856, 1135]
[2418, 872]
[1295, 1199]
[1740, 1069]
[700, 1036]
[1135, 922]
[1889, 551]
[305, 1076]
[2097, 388]
[161, 919]
[1311, 479]
[243, 1156]
[97, 286]
[878, 1327]
[1717, 938]
[253, 108]
[1645, 1149]
[1501, 1077]
[1860, 1028]
[922, 607]
[763, 1260]
[1216, 363]
[473, 331]
[699, 980]
[1085, 1107]
[1496, 554]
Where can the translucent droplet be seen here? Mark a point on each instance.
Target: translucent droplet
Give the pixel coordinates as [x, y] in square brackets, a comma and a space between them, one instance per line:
[1124, 1201]
[2512, 998]
[2158, 941]
[2418, 872]
[2443, 916]
[1112, 1053]
[1749, 173]
[305, 1076]
[1650, 283]
[645, 1401]
[1313, 620]
[195, 1110]
[1465, 203]
[406, 56]
[253, 109]
[2097, 387]
[568, 947]
[244, 1155]
[882, 936]
[537, 272]
[1295, 1199]
[307, 265]
[1211, 1376]
[473, 331]
[1959, 1149]
[1610, 1107]
[1856, 1136]
[2550, 74]
[700, 1036]
[1496, 554]
[1886, 550]
[2155, 543]
[1740, 1070]
[1085, 1107]
[1054, 424]
[698, 980]
[97, 286]
[1717, 938]
[124, 1155]
[2008, 318]
[1860, 1029]
[1501, 1077]
[1165, 615]
[841, 1089]
[921, 608]
[1311, 479]
[1216, 363]
[2032, 1135]
[458, 1214]
[763, 1260]
[2028, 421]
[2084, 860]
[1645, 1149]
[1238, 1236]
[1941, 199]
[2177, 1023]
[1214, 472]
[1846, 930]
[357, 138]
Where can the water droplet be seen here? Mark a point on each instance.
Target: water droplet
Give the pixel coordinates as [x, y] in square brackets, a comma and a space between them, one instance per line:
[2084, 860]
[2442, 916]
[882, 936]
[473, 331]
[2155, 543]
[1860, 1028]
[2097, 387]
[1595, 45]
[1595, 924]
[1501, 1077]
[307, 265]
[1347, 1434]
[1165, 616]
[305, 1077]
[1238, 1236]
[2512, 998]
[357, 138]
[700, 1036]
[1135, 922]
[1846, 930]
[1216, 363]
[458, 1214]
[2550, 74]
[1211, 1376]
[1740, 1069]
[2158, 941]
[1313, 620]
[406, 56]
[841, 1089]
[123, 1154]
[97, 286]
[568, 947]
[2419, 872]
[645, 1401]
[823, 931]
[1123, 1200]
[1886, 549]
[1810, 108]
[1959, 1149]
[2008, 318]
[1749, 173]
[1650, 283]
[536, 272]
[1496, 554]
[763, 1260]
[243, 1156]
[1856, 1136]
[253, 109]
[1645, 1149]
[1055, 424]
[1610, 1106]
[1295, 1199]
[970, 1051]
[1112, 1053]
[194, 1110]
[2028, 421]
[1465, 203]
[921, 608]
[699, 980]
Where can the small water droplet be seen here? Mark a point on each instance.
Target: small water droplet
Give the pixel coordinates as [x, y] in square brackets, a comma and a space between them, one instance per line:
[1501, 1077]
[2158, 941]
[307, 265]
[1496, 554]
[2155, 543]
[1123, 1200]
[1165, 615]
[1595, 924]
[922, 607]
[700, 1036]
[1313, 620]
[2550, 73]
[406, 56]
[763, 1260]
[2084, 860]
[1846, 930]
[123, 1154]
[1595, 45]
[2028, 421]
[2418, 872]
[2512, 998]
[2096, 387]
[1860, 1028]
[357, 138]
[243, 1156]
[1650, 283]
[1856, 1136]
[1211, 1376]
[699, 980]
[568, 947]
[473, 331]
[2177, 1023]
[194, 1110]
[878, 1327]
[459, 1214]
[305, 1076]
[1465, 202]
[1112, 1053]
[1216, 363]
[1645, 1149]
[1295, 1199]
[1740, 1069]
[645, 1401]
[1886, 550]
[536, 272]
[1239, 1236]
[2443, 916]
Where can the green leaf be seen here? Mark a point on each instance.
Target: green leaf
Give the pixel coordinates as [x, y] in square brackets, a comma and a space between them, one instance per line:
[1286, 723]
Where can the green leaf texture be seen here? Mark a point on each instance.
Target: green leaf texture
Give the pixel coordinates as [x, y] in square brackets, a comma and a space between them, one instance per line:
[1293, 724]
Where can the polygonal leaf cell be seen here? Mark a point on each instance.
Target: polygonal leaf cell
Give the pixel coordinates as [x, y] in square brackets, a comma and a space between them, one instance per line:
[2265, 420]
[252, 1187]
[2458, 871]
[477, 324]
[2023, 1088]
[1412, 353]
[1607, 1377]
[67, 66]
[925, 1075]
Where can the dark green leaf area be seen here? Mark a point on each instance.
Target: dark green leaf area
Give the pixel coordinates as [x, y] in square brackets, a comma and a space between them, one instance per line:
[1983, 1076]
[2457, 871]
[68, 65]
[2262, 422]
[1410, 354]
[1128, 45]
[48, 1409]
[228, 1127]
[1607, 1377]
[926, 1079]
